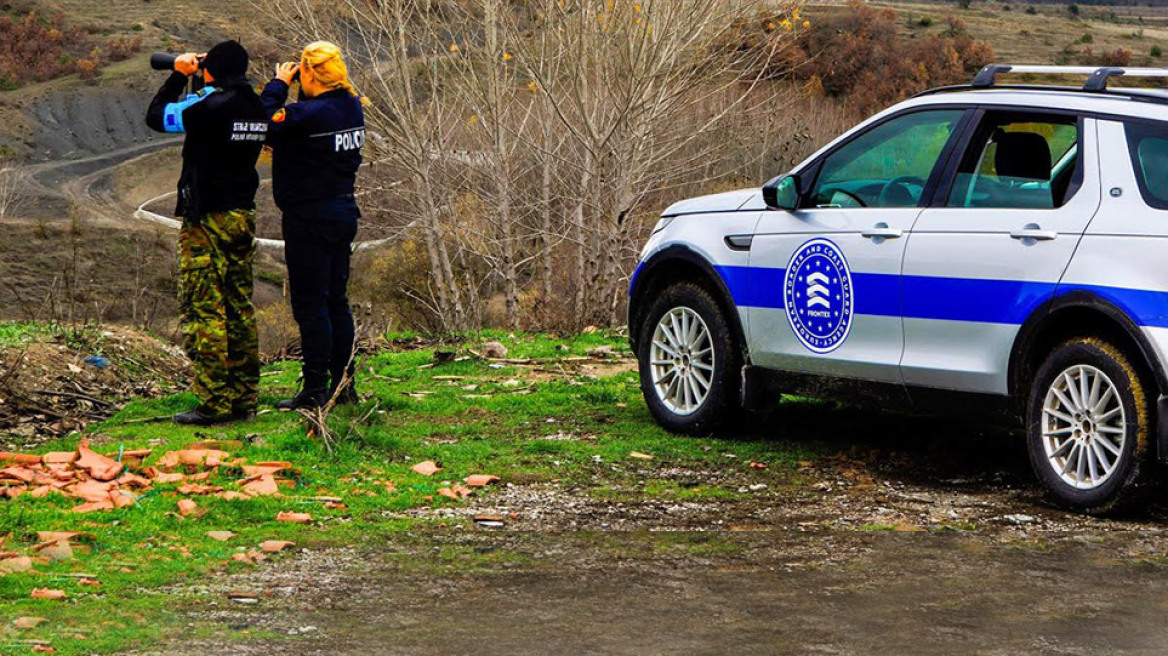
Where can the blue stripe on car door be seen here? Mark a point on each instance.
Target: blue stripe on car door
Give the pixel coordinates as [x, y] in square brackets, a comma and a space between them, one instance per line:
[953, 299]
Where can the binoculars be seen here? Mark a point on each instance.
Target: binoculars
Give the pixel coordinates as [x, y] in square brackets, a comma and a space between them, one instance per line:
[164, 61]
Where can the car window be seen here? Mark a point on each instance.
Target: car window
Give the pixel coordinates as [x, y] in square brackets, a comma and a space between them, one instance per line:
[1019, 162]
[1148, 144]
[888, 165]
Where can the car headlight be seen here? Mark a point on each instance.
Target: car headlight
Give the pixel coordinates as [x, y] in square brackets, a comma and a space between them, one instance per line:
[662, 224]
[655, 236]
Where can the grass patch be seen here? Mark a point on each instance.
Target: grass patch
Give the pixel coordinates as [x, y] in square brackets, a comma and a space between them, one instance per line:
[550, 423]
[16, 333]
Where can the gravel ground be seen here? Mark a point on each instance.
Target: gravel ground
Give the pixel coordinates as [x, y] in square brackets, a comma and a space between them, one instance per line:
[901, 546]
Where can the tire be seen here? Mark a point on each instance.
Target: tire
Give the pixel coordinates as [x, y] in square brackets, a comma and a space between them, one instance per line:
[720, 367]
[1069, 450]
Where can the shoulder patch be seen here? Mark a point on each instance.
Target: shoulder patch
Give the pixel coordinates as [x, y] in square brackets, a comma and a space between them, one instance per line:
[279, 116]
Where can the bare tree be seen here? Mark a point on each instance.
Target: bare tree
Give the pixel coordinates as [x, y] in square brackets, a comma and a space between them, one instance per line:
[631, 84]
[399, 62]
[11, 194]
[521, 141]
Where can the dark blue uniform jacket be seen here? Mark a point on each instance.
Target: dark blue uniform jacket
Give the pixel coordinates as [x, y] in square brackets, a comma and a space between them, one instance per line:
[225, 129]
[316, 145]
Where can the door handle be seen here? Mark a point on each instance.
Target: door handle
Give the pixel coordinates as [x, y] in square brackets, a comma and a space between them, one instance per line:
[881, 230]
[1033, 232]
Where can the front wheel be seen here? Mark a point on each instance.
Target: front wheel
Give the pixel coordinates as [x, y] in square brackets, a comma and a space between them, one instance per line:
[1088, 427]
[689, 365]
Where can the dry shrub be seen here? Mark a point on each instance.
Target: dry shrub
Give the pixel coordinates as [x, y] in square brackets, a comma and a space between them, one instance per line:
[87, 69]
[279, 335]
[1119, 57]
[390, 283]
[122, 48]
[859, 55]
[35, 48]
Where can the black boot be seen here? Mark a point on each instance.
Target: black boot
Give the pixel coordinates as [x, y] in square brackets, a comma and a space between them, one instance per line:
[307, 399]
[200, 416]
[347, 396]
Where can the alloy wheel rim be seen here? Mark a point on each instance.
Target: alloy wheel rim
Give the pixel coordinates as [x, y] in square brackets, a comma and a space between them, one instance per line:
[1083, 427]
[681, 361]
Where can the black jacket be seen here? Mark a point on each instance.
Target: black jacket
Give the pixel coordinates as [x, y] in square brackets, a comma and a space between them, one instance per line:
[316, 145]
[226, 126]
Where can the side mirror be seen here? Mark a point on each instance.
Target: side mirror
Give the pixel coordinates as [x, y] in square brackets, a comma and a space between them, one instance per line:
[782, 193]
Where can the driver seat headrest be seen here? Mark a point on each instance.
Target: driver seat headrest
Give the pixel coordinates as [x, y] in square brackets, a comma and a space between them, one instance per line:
[1023, 155]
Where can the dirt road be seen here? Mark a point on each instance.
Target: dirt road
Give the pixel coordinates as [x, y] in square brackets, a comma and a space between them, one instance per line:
[690, 593]
[900, 544]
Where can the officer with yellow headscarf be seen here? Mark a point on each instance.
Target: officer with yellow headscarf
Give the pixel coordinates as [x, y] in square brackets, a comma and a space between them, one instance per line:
[316, 151]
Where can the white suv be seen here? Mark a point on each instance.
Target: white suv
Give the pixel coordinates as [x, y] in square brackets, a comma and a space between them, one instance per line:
[988, 249]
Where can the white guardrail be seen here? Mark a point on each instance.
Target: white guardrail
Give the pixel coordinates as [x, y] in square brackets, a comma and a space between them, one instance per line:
[154, 217]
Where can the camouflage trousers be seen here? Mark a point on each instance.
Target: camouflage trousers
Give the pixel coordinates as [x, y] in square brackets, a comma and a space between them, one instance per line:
[215, 257]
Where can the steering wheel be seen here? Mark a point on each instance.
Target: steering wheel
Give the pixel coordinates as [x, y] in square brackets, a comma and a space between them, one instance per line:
[898, 184]
[831, 191]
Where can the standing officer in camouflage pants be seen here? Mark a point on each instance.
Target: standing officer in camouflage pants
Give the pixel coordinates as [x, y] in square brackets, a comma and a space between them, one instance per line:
[226, 126]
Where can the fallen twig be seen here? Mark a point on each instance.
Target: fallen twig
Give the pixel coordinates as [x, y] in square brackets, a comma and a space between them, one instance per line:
[72, 395]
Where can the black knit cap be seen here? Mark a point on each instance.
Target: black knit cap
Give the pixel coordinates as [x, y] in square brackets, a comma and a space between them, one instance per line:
[226, 59]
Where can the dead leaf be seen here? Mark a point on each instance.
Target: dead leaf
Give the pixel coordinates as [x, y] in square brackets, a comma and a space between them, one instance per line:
[335, 505]
[481, 480]
[640, 456]
[275, 546]
[758, 465]
[89, 583]
[46, 593]
[221, 536]
[44, 649]
[294, 517]
[427, 468]
[232, 495]
[187, 508]
[28, 622]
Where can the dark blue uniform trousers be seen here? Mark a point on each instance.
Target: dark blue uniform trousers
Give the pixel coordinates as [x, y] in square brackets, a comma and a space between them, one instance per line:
[318, 240]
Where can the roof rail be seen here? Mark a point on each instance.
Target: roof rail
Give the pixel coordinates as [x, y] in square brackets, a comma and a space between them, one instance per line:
[1096, 80]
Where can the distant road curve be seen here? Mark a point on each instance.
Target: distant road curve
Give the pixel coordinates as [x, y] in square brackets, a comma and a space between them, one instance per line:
[147, 215]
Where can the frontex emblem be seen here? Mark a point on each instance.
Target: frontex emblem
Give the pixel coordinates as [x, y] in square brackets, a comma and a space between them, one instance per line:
[817, 295]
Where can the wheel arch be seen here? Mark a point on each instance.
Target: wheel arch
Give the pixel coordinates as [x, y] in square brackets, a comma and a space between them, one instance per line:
[1078, 313]
[680, 264]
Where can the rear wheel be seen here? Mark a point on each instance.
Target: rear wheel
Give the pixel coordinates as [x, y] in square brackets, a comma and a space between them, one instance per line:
[689, 365]
[1088, 419]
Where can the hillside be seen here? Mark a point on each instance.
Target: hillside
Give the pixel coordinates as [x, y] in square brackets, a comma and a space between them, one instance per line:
[90, 161]
[1037, 33]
